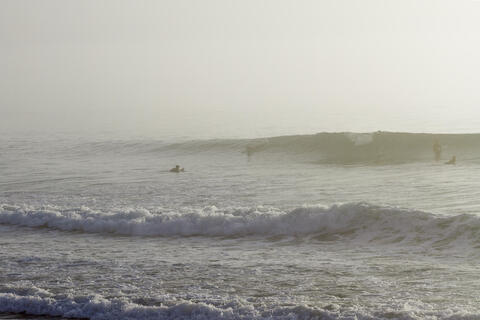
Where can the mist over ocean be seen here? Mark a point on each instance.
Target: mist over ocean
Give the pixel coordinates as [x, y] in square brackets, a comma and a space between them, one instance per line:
[239, 160]
[320, 226]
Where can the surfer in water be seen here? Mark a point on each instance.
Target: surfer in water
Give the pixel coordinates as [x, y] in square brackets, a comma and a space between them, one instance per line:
[437, 150]
[177, 169]
[249, 150]
[452, 161]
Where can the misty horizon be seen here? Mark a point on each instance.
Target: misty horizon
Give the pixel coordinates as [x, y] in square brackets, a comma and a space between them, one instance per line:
[239, 159]
[227, 69]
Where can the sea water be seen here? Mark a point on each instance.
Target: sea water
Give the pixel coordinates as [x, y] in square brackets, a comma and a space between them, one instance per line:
[326, 226]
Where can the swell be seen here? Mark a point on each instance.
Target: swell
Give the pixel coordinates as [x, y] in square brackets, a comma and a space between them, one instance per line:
[355, 221]
[374, 148]
[339, 147]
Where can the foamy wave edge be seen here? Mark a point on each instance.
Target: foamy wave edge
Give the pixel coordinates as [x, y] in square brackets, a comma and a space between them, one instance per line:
[359, 221]
[98, 308]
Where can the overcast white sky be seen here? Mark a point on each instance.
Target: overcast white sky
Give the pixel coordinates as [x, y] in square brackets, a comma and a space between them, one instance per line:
[239, 68]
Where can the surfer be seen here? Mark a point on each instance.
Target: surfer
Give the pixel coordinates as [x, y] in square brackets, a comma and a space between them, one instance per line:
[249, 150]
[380, 156]
[437, 150]
[452, 161]
[177, 169]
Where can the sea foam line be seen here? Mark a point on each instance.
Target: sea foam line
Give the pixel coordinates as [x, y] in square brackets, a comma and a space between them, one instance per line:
[359, 221]
[96, 307]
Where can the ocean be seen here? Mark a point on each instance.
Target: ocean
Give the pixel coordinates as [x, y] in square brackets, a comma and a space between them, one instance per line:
[320, 226]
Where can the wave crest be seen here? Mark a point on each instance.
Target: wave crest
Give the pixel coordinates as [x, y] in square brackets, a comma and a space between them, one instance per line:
[359, 221]
[96, 307]
[349, 147]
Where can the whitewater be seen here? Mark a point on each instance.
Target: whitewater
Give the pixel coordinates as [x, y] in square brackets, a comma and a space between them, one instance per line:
[322, 226]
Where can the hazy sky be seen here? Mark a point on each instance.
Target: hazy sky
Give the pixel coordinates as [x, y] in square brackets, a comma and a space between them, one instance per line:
[242, 67]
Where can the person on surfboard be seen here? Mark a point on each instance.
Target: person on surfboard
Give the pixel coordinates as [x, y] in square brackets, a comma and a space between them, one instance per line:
[452, 161]
[177, 169]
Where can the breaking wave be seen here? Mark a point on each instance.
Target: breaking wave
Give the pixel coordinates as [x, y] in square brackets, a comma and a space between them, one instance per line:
[340, 147]
[374, 148]
[96, 307]
[336, 148]
[356, 221]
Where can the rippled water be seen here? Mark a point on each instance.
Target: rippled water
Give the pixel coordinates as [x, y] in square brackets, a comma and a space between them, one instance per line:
[100, 229]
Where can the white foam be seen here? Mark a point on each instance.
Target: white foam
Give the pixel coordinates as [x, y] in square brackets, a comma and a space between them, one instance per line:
[360, 139]
[359, 221]
[98, 308]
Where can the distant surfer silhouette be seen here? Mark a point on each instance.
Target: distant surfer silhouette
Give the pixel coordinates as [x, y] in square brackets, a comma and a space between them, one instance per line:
[177, 169]
[437, 150]
[380, 156]
[452, 161]
[249, 150]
